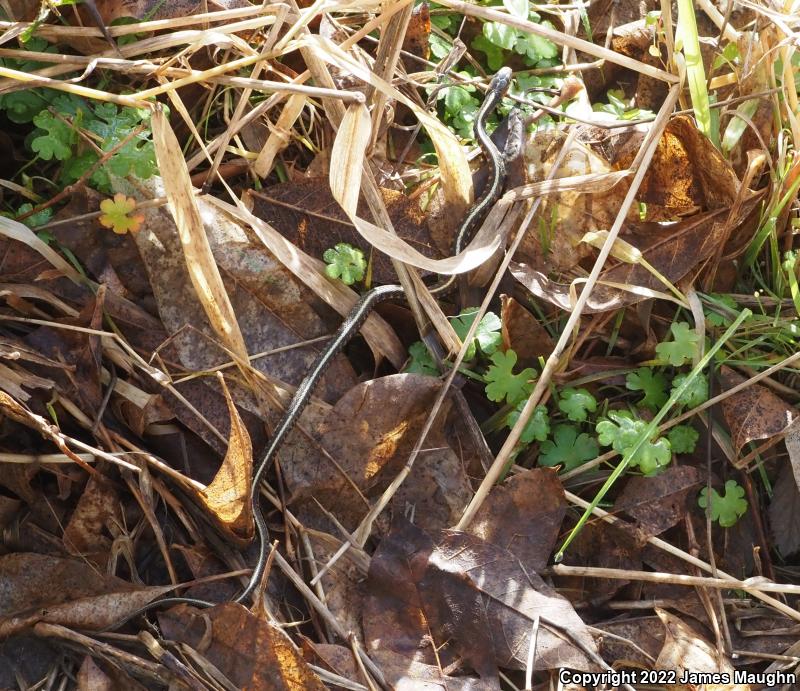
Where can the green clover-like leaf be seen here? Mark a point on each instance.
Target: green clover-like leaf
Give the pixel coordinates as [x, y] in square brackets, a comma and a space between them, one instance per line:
[727, 509]
[118, 214]
[577, 404]
[502, 383]
[494, 53]
[683, 346]
[538, 426]
[37, 219]
[57, 141]
[621, 433]
[683, 438]
[487, 335]
[345, 262]
[568, 448]
[696, 393]
[653, 384]
[421, 361]
[535, 48]
[721, 318]
[653, 456]
[500, 35]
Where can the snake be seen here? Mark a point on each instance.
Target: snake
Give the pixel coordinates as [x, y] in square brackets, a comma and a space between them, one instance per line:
[350, 326]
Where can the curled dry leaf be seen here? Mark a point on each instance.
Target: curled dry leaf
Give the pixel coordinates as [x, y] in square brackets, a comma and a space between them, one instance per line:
[754, 413]
[687, 651]
[348, 156]
[250, 652]
[200, 263]
[674, 252]
[43, 588]
[454, 172]
[227, 498]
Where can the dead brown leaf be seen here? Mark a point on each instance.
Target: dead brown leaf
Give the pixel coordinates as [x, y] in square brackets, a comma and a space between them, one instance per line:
[687, 651]
[523, 333]
[305, 213]
[474, 598]
[43, 588]
[367, 438]
[96, 515]
[227, 498]
[755, 413]
[784, 512]
[250, 652]
[523, 516]
[658, 503]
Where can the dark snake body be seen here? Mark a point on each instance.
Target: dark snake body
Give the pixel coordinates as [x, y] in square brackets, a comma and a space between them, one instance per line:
[350, 326]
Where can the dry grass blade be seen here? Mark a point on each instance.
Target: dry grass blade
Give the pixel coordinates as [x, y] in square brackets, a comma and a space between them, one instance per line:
[200, 262]
[348, 156]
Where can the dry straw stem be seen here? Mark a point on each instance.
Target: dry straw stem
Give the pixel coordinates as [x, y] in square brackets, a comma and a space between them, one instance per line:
[321, 608]
[57, 33]
[276, 137]
[757, 583]
[220, 36]
[453, 174]
[502, 460]
[30, 80]
[755, 591]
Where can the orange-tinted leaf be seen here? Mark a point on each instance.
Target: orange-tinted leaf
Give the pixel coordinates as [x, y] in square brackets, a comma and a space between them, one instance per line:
[116, 214]
[250, 652]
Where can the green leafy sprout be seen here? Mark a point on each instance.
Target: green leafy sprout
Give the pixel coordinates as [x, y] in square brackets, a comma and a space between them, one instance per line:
[726, 509]
[683, 346]
[569, 448]
[622, 431]
[503, 384]
[345, 262]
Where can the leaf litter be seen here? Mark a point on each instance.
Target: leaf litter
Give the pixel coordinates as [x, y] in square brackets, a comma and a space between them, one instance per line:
[154, 331]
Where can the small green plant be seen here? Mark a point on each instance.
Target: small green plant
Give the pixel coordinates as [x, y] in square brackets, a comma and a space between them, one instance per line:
[576, 404]
[726, 509]
[695, 394]
[420, 361]
[683, 438]
[620, 108]
[487, 336]
[538, 426]
[345, 262]
[569, 448]
[34, 220]
[621, 432]
[651, 383]
[683, 346]
[503, 384]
